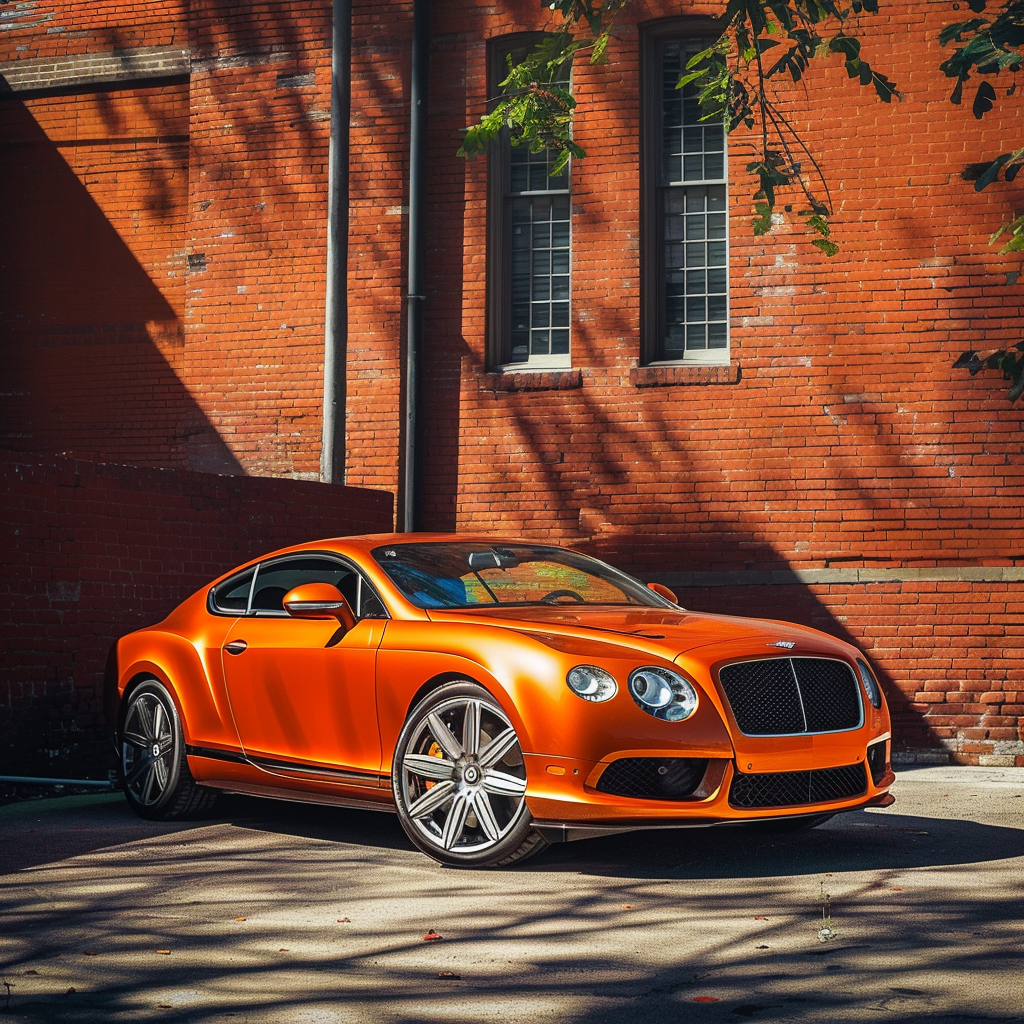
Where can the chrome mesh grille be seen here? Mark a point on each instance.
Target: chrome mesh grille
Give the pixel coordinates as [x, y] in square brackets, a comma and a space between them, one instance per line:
[793, 789]
[787, 696]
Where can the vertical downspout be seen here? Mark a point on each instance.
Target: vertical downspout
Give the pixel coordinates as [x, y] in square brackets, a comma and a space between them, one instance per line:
[332, 450]
[414, 299]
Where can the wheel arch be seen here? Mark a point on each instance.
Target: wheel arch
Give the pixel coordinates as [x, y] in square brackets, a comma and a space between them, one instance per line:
[174, 662]
[442, 679]
[407, 677]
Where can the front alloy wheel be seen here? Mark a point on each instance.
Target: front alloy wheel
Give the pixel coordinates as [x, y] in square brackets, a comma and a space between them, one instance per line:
[157, 782]
[460, 781]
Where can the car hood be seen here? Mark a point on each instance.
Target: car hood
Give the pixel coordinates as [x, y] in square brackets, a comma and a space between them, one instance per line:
[662, 632]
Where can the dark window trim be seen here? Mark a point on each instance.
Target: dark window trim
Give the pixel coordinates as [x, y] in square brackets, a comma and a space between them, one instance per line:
[211, 605]
[249, 613]
[652, 35]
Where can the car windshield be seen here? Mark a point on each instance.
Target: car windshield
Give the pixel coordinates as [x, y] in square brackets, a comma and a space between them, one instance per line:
[463, 575]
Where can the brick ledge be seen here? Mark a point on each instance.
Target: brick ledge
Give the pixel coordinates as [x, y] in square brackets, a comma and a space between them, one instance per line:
[532, 380]
[667, 376]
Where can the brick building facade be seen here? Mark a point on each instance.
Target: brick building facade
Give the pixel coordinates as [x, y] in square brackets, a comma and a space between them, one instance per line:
[163, 305]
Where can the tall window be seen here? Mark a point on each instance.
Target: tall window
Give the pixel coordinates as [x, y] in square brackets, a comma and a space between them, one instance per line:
[686, 276]
[529, 246]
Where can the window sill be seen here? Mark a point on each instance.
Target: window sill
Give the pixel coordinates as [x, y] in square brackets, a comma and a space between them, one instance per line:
[532, 380]
[668, 376]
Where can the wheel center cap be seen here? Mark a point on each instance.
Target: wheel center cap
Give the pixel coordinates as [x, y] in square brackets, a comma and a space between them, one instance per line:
[156, 749]
[471, 774]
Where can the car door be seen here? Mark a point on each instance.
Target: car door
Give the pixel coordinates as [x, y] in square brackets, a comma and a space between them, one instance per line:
[302, 690]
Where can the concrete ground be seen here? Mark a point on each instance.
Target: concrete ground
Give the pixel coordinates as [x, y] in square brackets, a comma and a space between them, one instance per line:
[272, 912]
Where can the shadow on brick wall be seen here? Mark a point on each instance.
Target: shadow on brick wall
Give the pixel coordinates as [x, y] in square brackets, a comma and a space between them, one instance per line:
[89, 338]
[91, 552]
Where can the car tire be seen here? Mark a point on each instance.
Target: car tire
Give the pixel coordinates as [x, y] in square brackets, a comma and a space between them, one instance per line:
[154, 770]
[459, 781]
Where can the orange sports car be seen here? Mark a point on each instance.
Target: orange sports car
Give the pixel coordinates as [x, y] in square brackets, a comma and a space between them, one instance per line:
[497, 694]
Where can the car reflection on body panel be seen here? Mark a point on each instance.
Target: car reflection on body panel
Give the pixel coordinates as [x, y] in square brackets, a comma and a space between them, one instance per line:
[497, 694]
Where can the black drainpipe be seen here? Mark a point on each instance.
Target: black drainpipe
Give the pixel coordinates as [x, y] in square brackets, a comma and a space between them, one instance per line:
[332, 450]
[415, 298]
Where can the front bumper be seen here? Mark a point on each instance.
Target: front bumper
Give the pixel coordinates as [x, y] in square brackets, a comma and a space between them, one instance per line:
[565, 802]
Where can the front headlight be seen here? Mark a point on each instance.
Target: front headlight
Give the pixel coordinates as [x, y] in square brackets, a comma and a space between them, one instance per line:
[592, 683]
[871, 687]
[663, 693]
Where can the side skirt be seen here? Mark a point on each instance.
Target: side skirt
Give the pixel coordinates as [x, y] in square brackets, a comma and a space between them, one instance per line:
[235, 779]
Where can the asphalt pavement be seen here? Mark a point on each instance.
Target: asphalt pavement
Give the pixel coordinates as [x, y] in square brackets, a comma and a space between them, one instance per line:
[267, 912]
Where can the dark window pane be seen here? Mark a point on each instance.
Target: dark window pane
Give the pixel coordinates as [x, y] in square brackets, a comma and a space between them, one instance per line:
[695, 227]
[717, 335]
[695, 281]
[695, 336]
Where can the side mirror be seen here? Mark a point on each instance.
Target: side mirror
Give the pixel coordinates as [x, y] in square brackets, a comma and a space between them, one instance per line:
[662, 591]
[319, 601]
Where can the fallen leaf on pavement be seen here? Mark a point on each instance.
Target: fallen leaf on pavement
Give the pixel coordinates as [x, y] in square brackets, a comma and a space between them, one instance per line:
[282, 950]
[88, 952]
[343, 920]
[163, 952]
[164, 1006]
[764, 947]
[449, 974]
[239, 918]
[759, 918]
[432, 936]
[705, 999]
[896, 889]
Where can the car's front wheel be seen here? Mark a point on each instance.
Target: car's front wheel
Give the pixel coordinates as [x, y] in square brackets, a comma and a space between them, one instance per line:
[460, 781]
[154, 770]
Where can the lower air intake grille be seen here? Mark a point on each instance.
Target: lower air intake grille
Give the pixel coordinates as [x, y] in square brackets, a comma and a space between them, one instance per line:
[877, 760]
[792, 789]
[653, 778]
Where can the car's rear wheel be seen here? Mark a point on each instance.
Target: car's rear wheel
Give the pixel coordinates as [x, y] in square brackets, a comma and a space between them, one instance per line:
[154, 770]
[460, 781]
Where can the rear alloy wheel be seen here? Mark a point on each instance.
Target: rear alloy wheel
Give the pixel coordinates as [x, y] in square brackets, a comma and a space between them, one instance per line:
[460, 781]
[157, 782]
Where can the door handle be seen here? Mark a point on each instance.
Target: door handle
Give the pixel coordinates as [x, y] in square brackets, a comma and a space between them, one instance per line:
[235, 647]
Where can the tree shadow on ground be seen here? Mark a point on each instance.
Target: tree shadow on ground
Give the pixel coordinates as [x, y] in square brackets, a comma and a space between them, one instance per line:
[853, 841]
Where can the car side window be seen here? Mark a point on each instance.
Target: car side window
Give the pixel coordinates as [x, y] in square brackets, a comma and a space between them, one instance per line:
[232, 596]
[275, 579]
[370, 605]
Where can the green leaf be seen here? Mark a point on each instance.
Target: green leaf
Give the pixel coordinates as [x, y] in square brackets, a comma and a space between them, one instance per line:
[762, 223]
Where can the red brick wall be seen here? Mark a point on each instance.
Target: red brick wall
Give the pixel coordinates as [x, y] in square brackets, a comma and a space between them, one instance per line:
[161, 270]
[839, 438]
[90, 552]
[843, 438]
